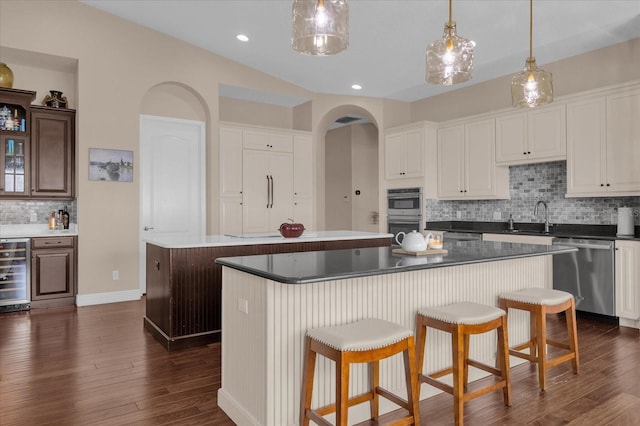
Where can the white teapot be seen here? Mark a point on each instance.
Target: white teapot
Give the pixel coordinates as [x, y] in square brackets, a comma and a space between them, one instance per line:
[413, 241]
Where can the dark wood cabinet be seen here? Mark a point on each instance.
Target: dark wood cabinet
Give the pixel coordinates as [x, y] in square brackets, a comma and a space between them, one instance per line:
[37, 155]
[52, 153]
[53, 266]
[14, 142]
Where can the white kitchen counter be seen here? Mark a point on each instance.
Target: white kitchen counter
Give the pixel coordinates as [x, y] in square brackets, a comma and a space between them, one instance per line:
[32, 230]
[192, 241]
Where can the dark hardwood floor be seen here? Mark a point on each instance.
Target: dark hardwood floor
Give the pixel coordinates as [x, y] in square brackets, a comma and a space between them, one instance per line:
[96, 365]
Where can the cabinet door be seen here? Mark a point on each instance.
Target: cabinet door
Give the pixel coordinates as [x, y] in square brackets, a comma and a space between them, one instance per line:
[586, 147]
[451, 162]
[52, 154]
[255, 193]
[267, 140]
[628, 280]
[623, 142]
[52, 273]
[14, 160]
[394, 156]
[302, 166]
[547, 136]
[413, 153]
[230, 162]
[231, 215]
[479, 159]
[511, 138]
[281, 206]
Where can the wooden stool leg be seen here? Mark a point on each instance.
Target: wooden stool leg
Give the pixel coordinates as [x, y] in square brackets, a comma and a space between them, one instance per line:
[467, 339]
[308, 370]
[342, 391]
[411, 378]
[503, 360]
[457, 340]
[374, 381]
[533, 336]
[570, 316]
[421, 339]
[541, 339]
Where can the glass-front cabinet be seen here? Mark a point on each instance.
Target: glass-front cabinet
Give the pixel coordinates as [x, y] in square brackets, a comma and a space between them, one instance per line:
[15, 148]
[14, 160]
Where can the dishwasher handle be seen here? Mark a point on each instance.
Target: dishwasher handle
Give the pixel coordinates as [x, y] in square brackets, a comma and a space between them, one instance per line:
[584, 245]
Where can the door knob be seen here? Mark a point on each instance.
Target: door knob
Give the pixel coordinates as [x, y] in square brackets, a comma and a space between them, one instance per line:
[147, 228]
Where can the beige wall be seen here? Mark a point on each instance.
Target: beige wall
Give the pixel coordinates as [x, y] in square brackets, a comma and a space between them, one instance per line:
[364, 177]
[256, 113]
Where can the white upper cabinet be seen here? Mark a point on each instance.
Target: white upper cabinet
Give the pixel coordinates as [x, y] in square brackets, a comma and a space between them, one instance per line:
[603, 145]
[267, 140]
[534, 136]
[466, 163]
[404, 153]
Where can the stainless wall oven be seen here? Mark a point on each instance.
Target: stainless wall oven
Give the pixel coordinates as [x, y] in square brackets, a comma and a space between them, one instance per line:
[404, 210]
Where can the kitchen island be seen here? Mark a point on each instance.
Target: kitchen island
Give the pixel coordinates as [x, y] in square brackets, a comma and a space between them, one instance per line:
[183, 303]
[269, 302]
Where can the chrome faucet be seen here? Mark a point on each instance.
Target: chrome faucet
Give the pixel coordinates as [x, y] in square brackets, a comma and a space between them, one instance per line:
[546, 214]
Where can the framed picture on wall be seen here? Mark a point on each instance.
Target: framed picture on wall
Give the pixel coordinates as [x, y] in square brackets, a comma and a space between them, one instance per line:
[110, 165]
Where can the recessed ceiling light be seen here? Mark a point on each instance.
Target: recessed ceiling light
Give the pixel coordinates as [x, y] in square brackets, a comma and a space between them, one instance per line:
[242, 37]
[356, 87]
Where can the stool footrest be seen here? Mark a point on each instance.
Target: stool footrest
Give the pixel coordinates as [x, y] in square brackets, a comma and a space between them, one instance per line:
[529, 344]
[557, 344]
[317, 418]
[358, 399]
[484, 367]
[392, 397]
[560, 359]
[435, 383]
[468, 396]
[528, 357]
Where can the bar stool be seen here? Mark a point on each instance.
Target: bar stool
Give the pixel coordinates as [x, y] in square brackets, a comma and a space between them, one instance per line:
[540, 302]
[462, 320]
[370, 341]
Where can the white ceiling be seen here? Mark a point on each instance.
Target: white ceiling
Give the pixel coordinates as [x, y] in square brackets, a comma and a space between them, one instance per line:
[388, 38]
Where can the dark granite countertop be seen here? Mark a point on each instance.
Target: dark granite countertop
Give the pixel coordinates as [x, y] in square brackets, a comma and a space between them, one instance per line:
[317, 266]
[564, 230]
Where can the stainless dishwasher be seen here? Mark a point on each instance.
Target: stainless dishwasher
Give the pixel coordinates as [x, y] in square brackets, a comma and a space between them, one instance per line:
[588, 274]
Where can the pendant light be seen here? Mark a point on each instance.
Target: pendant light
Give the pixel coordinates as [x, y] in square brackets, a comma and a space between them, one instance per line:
[320, 27]
[450, 59]
[533, 86]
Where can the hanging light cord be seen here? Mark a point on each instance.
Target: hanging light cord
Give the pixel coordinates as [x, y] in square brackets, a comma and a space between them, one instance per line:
[530, 28]
[450, 13]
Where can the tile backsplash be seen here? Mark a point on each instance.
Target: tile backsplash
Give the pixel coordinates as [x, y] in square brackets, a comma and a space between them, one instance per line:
[527, 185]
[15, 212]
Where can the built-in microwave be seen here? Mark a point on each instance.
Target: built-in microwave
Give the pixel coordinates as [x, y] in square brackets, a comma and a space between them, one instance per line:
[404, 202]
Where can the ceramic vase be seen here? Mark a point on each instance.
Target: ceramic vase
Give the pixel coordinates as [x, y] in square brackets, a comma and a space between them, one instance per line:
[6, 76]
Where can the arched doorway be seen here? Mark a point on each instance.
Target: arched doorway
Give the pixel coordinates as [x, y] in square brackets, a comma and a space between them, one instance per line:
[351, 170]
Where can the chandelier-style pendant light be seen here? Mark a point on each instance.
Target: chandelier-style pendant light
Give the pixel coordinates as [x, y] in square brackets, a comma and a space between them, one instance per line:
[533, 86]
[450, 59]
[320, 27]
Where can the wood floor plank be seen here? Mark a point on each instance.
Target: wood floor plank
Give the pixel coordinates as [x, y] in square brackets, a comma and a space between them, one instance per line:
[96, 365]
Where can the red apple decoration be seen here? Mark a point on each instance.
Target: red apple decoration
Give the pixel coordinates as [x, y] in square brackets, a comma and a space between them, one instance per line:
[291, 230]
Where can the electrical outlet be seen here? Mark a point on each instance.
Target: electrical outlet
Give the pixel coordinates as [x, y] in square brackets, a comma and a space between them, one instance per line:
[243, 305]
[458, 214]
[33, 217]
[115, 275]
[497, 215]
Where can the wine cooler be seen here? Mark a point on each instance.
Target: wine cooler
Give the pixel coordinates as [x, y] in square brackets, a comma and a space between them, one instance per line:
[14, 274]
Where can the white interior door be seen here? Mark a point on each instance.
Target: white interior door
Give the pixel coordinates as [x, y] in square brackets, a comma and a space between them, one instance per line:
[172, 182]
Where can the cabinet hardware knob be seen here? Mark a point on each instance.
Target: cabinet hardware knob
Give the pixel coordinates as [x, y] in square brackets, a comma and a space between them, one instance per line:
[147, 228]
[608, 185]
[602, 184]
[157, 265]
[528, 152]
[524, 153]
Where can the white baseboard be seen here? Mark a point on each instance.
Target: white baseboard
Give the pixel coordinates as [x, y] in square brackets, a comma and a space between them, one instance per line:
[234, 410]
[110, 297]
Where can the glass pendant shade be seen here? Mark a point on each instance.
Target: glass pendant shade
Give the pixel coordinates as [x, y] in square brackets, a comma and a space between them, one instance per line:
[320, 27]
[450, 59]
[531, 87]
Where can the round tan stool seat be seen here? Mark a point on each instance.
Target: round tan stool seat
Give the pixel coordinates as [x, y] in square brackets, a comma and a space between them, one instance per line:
[462, 320]
[365, 341]
[540, 302]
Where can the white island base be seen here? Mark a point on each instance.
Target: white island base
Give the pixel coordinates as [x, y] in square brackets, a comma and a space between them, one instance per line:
[264, 323]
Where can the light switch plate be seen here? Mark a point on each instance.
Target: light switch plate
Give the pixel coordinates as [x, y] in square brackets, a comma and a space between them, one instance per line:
[243, 305]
